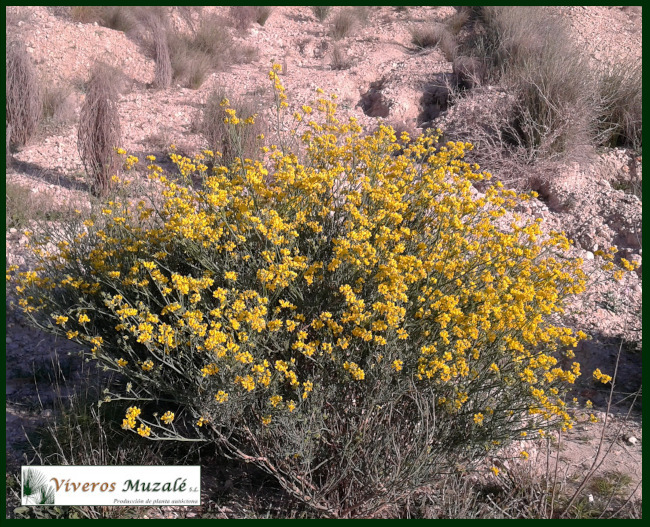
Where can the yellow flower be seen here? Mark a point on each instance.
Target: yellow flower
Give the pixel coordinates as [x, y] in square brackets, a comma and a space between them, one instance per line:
[144, 431]
[495, 471]
[60, 319]
[524, 454]
[266, 420]
[478, 419]
[221, 396]
[397, 365]
[147, 365]
[121, 362]
[231, 275]
[599, 376]
[201, 421]
[167, 417]
[83, 318]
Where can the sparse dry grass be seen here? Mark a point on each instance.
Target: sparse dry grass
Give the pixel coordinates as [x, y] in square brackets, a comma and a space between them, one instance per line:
[58, 106]
[22, 206]
[210, 48]
[427, 36]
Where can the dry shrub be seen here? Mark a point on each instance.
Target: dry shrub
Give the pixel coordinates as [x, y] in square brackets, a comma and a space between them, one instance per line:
[342, 23]
[99, 128]
[620, 106]
[531, 54]
[199, 67]
[163, 72]
[262, 13]
[469, 71]
[85, 14]
[23, 95]
[427, 36]
[321, 12]
[457, 21]
[243, 16]
[194, 56]
[448, 46]
[340, 59]
[58, 105]
[232, 142]
[119, 18]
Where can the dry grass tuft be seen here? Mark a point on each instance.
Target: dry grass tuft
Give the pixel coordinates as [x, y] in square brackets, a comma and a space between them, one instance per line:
[427, 36]
[242, 16]
[262, 13]
[343, 23]
[340, 59]
[164, 71]
[457, 21]
[23, 104]
[620, 106]
[321, 12]
[99, 128]
[232, 142]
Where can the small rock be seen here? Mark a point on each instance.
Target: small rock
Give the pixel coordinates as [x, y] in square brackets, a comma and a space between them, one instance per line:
[12, 230]
[632, 440]
[589, 255]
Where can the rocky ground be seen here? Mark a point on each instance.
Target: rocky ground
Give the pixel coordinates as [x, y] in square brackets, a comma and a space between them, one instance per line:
[588, 201]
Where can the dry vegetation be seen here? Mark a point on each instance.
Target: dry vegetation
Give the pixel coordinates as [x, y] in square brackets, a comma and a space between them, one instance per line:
[99, 131]
[23, 95]
[558, 107]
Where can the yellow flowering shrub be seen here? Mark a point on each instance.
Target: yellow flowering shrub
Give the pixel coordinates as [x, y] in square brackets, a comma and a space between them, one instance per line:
[354, 320]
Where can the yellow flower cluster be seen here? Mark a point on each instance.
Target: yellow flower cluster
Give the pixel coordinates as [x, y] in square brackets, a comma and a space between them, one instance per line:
[281, 278]
[167, 417]
[131, 414]
[600, 376]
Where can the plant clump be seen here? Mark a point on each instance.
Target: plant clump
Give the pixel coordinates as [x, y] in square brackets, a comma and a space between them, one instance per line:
[23, 104]
[99, 132]
[354, 321]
